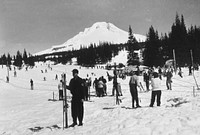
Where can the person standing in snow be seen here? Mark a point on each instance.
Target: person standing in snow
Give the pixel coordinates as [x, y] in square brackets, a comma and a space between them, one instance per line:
[133, 83]
[180, 72]
[160, 72]
[77, 91]
[146, 78]
[85, 87]
[115, 84]
[190, 70]
[95, 85]
[100, 87]
[31, 82]
[15, 73]
[156, 89]
[105, 86]
[169, 79]
[60, 90]
[56, 78]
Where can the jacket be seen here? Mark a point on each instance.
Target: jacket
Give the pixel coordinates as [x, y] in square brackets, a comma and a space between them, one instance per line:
[134, 80]
[156, 84]
[76, 86]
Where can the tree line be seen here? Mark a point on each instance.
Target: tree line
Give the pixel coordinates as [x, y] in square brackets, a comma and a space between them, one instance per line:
[85, 56]
[18, 60]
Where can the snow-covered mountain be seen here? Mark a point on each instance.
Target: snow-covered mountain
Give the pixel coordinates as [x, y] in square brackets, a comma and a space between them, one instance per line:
[98, 33]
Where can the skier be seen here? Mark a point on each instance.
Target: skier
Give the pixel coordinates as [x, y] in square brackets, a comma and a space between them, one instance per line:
[7, 79]
[60, 90]
[95, 84]
[160, 72]
[31, 82]
[115, 84]
[133, 83]
[15, 73]
[190, 70]
[85, 87]
[76, 88]
[169, 79]
[105, 86]
[146, 78]
[100, 87]
[56, 78]
[88, 85]
[180, 72]
[156, 89]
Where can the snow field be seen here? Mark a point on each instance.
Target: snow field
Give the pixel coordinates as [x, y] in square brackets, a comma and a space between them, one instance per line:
[23, 109]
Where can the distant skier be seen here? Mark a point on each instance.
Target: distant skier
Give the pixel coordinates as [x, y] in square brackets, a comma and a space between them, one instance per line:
[31, 82]
[160, 73]
[190, 70]
[115, 84]
[60, 90]
[100, 87]
[95, 85]
[7, 79]
[56, 78]
[180, 72]
[146, 78]
[15, 73]
[104, 86]
[169, 79]
[87, 90]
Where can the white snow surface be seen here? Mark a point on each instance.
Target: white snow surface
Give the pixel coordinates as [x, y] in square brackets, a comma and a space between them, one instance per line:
[23, 109]
[99, 32]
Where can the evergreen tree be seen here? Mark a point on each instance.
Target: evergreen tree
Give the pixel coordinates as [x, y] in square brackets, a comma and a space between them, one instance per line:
[152, 52]
[132, 46]
[18, 61]
[25, 57]
[179, 42]
[9, 59]
[4, 59]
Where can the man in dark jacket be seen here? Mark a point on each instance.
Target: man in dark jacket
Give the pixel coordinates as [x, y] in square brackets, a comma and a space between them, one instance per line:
[77, 91]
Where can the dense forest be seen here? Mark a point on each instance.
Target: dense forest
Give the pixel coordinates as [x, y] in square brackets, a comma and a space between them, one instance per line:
[180, 42]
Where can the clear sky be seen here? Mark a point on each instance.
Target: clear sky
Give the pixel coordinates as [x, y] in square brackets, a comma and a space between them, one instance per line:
[38, 24]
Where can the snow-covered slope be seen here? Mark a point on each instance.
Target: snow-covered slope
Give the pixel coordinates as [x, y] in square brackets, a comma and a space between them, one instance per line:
[32, 112]
[97, 33]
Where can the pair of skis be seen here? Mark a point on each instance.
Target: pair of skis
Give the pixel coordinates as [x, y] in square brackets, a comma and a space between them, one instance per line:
[141, 87]
[65, 105]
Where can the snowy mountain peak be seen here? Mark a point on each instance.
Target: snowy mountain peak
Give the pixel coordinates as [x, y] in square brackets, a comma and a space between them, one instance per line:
[99, 32]
[105, 26]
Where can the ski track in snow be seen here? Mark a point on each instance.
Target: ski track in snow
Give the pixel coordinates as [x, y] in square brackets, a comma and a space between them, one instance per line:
[23, 109]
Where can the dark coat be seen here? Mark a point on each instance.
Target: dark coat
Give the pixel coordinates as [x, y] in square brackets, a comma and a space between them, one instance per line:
[169, 75]
[146, 77]
[76, 87]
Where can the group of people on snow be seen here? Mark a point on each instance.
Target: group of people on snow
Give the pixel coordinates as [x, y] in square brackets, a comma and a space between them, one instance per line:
[100, 86]
[151, 78]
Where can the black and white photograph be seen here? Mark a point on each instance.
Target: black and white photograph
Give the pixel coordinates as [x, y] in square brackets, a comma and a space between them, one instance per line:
[99, 67]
